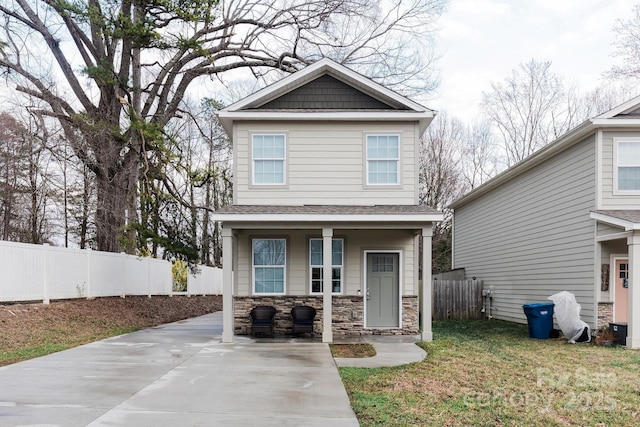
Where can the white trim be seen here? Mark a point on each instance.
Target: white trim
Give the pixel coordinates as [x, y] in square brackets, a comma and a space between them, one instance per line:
[422, 118]
[284, 268]
[615, 236]
[368, 116]
[398, 160]
[623, 108]
[618, 222]
[416, 112]
[311, 267]
[366, 253]
[285, 164]
[318, 68]
[599, 159]
[617, 191]
[324, 218]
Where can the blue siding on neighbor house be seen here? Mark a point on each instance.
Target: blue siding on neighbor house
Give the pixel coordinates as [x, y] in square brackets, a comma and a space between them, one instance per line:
[532, 236]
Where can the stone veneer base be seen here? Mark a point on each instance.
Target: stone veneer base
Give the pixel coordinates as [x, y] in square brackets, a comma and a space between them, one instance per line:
[348, 314]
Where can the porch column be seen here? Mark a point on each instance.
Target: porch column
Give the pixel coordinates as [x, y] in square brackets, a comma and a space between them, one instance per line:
[227, 285]
[633, 311]
[327, 285]
[426, 293]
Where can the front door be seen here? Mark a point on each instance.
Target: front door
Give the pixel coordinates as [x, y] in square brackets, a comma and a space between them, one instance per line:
[621, 290]
[383, 291]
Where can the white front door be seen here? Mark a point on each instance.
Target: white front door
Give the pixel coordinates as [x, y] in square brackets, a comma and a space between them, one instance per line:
[383, 290]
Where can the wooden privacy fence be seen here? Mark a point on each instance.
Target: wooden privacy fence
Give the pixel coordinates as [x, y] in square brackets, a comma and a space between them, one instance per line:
[457, 299]
[42, 272]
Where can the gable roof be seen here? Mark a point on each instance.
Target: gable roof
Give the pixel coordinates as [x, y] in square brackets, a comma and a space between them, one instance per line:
[627, 219]
[624, 115]
[389, 105]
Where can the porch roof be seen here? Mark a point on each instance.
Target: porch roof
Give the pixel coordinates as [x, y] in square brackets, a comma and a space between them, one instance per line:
[408, 214]
[629, 219]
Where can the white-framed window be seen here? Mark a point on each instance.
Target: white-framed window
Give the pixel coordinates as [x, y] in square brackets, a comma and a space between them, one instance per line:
[627, 169]
[268, 156]
[316, 265]
[269, 265]
[383, 159]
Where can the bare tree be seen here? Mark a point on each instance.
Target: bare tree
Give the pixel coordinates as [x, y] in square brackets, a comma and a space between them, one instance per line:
[11, 166]
[524, 109]
[138, 58]
[627, 46]
[24, 184]
[478, 158]
[439, 161]
[440, 179]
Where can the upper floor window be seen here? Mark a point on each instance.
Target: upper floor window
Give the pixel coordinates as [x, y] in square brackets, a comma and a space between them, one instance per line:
[269, 263]
[268, 156]
[316, 265]
[628, 165]
[383, 159]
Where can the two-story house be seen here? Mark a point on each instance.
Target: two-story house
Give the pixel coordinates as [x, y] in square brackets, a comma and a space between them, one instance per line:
[325, 206]
[567, 218]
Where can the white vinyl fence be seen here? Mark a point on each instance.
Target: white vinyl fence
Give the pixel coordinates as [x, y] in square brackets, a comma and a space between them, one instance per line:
[42, 272]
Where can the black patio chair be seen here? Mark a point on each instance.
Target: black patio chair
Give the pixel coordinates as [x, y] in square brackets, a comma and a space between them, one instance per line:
[303, 317]
[262, 319]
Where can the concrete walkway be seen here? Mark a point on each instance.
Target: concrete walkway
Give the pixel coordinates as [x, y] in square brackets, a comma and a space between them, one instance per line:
[390, 351]
[177, 375]
[180, 374]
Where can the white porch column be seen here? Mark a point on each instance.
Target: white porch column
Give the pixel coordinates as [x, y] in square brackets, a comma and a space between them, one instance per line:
[633, 315]
[426, 293]
[227, 285]
[327, 285]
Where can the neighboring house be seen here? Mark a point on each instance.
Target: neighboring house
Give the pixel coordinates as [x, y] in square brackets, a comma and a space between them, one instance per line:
[565, 218]
[325, 206]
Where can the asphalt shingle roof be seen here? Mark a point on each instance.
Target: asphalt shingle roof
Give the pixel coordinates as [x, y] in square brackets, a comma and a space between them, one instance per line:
[625, 215]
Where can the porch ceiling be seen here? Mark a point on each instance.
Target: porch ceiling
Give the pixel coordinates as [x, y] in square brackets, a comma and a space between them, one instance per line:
[629, 219]
[377, 216]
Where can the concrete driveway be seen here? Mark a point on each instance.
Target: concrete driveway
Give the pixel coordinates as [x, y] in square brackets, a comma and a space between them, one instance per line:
[177, 375]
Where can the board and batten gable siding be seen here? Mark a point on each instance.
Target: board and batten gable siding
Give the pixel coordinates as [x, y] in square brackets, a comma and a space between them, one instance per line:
[610, 200]
[325, 164]
[532, 236]
[355, 241]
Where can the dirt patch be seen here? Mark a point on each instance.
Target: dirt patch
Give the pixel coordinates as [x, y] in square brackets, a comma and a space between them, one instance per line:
[63, 324]
[352, 350]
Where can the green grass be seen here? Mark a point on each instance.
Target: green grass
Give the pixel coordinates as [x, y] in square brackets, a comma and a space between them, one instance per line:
[489, 373]
[53, 340]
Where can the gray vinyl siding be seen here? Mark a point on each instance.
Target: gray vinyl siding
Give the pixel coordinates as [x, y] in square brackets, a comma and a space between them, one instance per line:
[606, 229]
[355, 243]
[323, 93]
[610, 200]
[532, 236]
[325, 165]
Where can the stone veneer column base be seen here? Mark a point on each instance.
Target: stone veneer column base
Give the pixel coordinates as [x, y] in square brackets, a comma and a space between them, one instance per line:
[605, 314]
[348, 314]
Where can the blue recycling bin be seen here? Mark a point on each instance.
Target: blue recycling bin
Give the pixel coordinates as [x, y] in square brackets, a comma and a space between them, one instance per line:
[539, 319]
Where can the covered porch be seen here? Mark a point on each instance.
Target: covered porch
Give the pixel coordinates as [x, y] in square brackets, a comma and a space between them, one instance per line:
[618, 250]
[358, 266]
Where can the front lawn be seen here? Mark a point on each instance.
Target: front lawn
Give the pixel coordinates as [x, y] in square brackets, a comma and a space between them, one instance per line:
[489, 373]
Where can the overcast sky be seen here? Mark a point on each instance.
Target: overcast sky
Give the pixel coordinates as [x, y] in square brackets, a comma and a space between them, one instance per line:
[483, 40]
